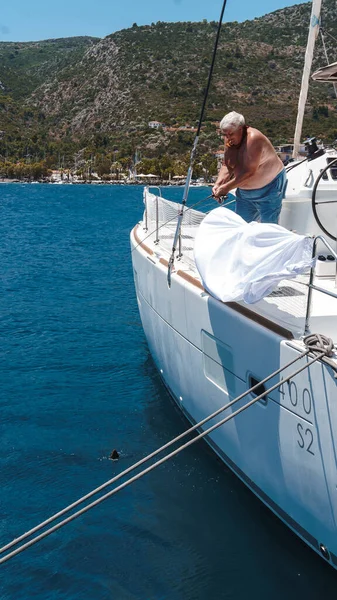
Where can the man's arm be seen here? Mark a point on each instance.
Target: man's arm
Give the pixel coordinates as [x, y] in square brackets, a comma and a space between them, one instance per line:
[246, 170]
[223, 177]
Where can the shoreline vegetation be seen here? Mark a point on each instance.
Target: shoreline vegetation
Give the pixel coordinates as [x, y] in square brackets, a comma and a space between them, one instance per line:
[121, 172]
[100, 182]
[142, 182]
[129, 172]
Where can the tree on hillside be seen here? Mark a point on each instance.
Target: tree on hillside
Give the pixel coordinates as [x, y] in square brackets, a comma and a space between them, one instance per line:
[103, 167]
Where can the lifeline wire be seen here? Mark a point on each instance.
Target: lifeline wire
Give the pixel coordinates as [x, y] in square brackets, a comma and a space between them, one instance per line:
[320, 354]
[190, 168]
[172, 219]
[175, 216]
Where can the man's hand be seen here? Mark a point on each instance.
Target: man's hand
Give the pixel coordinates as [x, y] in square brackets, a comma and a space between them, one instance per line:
[219, 191]
[215, 189]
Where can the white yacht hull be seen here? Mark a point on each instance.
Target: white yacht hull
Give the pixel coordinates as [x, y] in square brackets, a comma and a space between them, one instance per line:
[284, 448]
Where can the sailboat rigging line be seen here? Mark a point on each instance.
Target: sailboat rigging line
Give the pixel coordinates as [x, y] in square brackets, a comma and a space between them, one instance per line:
[319, 352]
[328, 34]
[323, 30]
[292, 166]
[194, 147]
[211, 67]
[327, 58]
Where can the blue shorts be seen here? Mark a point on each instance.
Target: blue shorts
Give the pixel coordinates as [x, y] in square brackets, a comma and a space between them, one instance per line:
[263, 204]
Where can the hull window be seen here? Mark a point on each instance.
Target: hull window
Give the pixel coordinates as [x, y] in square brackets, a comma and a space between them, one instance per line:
[259, 390]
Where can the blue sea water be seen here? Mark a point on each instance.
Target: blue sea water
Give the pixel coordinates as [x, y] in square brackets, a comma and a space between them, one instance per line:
[77, 381]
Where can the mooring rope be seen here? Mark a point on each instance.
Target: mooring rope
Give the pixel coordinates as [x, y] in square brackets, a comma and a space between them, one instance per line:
[316, 341]
[322, 347]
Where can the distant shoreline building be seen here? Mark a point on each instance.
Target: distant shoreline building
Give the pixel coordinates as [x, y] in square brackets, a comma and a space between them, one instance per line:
[285, 151]
[155, 124]
[158, 125]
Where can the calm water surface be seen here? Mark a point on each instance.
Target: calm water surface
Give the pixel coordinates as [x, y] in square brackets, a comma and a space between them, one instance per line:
[77, 381]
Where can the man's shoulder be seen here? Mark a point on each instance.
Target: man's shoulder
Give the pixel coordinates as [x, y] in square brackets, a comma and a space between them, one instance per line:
[254, 133]
[255, 136]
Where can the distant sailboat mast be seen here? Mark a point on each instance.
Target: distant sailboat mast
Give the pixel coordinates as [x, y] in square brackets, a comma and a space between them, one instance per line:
[135, 163]
[313, 33]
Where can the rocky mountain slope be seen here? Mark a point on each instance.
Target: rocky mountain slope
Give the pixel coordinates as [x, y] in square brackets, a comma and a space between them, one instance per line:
[102, 93]
[27, 65]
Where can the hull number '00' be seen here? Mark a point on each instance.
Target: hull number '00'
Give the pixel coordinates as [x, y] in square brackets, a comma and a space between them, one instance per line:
[302, 401]
[298, 399]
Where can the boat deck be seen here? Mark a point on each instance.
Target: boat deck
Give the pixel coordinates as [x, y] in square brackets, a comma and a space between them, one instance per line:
[285, 306]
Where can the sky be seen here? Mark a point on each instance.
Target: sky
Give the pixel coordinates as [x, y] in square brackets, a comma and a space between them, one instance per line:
[31, 20]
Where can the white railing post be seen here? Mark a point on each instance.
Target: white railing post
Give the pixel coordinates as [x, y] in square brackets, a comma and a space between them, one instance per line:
[311, 279]
[156, 241]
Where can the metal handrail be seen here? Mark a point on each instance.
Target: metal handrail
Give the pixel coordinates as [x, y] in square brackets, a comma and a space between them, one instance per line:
[145, 214]
[155, 187]
[156, 241]
[311, 285]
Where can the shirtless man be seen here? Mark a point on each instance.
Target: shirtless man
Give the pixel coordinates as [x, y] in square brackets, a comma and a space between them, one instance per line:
[252, 166]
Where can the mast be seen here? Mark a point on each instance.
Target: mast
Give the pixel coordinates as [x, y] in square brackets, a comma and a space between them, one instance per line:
[313, 33]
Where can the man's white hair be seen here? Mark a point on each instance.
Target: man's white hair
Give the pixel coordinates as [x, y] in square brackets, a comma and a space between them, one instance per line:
[232, 120]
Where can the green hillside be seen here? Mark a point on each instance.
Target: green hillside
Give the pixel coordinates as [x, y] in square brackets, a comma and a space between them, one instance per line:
[27, 65]
[94, 98]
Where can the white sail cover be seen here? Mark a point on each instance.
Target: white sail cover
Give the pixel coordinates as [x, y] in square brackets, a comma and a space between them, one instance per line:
[245, 261]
